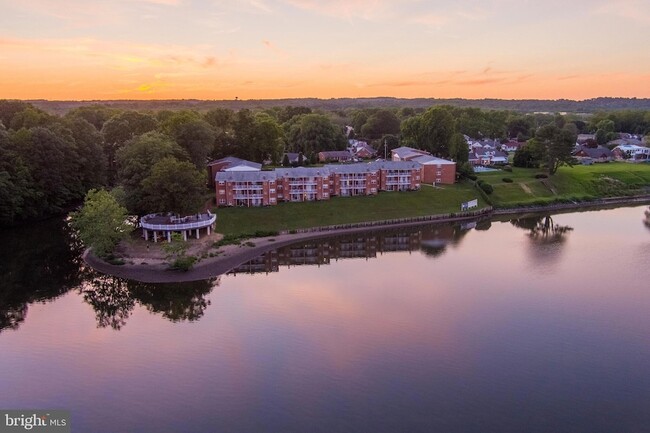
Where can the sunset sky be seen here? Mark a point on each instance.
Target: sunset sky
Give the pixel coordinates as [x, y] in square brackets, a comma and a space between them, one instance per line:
[261, 49]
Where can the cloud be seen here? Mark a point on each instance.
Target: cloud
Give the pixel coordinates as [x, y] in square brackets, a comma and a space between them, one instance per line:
[274, 49]
[346, 9]
[629, 10]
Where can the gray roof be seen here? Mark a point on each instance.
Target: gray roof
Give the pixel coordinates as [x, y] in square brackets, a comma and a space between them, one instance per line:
[302, 172]
[396, 165]
[408, 152]
[336, 153]
[597, 152]
[233, 161]
[245, 176]
[361, 167]
[432, 160]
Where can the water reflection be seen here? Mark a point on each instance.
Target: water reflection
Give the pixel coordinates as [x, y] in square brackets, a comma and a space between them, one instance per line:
[546, 237]
[432, 240]
[647, 218]
[37, 263]
[43, 262]
[113, 299]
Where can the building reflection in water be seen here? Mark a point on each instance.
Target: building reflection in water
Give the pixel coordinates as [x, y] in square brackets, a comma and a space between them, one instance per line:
[433, 240]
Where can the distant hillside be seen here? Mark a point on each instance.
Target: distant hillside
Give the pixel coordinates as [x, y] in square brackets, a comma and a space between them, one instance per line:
[521, 105]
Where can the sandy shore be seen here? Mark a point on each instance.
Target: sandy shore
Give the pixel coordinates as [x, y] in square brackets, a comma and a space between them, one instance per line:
[146, 263]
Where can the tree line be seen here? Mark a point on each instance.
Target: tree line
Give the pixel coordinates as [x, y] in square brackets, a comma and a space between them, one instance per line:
[155, 160]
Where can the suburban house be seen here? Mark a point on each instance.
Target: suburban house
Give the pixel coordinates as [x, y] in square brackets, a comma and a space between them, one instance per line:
[230, 163]
[511, 146]
[302, 183]
[246, 188]
[292, 157]
[434, 170]
[587, 155]
[631, 152]
[361, 149]
[335, 155]
[487, 157]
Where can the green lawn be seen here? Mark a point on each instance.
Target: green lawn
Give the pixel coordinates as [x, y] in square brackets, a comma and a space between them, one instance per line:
[577, 183]
[345, 210]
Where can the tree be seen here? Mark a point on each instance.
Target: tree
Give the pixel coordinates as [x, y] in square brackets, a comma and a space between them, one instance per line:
[530, 155]
[220, 118]
[16, 184]
[313, 133]
[604, 131]
[91, 160]
[94, 114]
[173, 186]
[458, 149]
[196, 137]
[431, 131]
[135, 161]
[101, 222]
[121, 128]
[558, 144]
[380, 123]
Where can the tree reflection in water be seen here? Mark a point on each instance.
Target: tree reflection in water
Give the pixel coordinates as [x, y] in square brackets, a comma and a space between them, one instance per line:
[647, 218]
[113, 299]
[546, 236]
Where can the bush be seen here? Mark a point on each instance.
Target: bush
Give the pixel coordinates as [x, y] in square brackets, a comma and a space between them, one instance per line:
[541, 176]
[507, 180]
[480, 182]
[183, 263]
[507, 168]
[472, 176]
[487, 188]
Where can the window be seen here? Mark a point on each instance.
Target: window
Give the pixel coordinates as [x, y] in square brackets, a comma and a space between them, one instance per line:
[325, 194]
[374, 182]
[221, 182]
[222, 201]
[272, 200]
[272, 190]
[222, 191]
[373, 189]
[438, 180]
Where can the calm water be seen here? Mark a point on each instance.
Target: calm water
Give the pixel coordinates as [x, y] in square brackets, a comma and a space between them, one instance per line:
[531, 325]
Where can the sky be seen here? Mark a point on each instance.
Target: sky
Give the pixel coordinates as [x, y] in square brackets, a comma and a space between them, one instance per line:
[266, 49]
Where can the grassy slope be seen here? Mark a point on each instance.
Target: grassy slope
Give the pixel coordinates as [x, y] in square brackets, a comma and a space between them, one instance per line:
[577, 183]
[344, 210]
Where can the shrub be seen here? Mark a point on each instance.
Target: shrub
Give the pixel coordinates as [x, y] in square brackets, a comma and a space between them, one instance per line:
[472, 176]
[507, 168]
[183, 263]
[541, 176]
[507, 180]
[480, 182]
[487, 188]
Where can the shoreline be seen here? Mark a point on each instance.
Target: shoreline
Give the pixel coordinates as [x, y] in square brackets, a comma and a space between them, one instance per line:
[235, 255]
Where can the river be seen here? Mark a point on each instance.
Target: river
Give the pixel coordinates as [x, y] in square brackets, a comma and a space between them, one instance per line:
[533, 324]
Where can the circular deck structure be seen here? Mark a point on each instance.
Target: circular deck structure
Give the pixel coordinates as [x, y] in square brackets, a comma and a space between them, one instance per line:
[165, 224]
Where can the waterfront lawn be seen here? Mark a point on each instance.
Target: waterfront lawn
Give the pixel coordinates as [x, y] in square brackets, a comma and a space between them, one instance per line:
[581, 182]
[345, 210]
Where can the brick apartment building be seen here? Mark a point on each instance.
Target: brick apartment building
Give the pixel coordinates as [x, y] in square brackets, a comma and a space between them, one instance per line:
[434, 170]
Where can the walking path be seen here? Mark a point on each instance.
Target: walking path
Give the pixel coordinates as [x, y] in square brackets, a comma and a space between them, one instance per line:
[153, 269]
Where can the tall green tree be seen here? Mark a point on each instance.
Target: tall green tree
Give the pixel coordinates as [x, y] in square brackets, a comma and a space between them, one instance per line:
[431, 131]
[381, 123]
[121, 128]
[174, 186]
[313, 133]
[135, 161]
[558, 144]
[101, 222]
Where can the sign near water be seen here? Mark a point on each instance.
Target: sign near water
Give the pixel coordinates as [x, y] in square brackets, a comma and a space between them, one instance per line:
[469, 204]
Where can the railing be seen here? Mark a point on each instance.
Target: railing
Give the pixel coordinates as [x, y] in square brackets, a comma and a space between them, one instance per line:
[177, 226]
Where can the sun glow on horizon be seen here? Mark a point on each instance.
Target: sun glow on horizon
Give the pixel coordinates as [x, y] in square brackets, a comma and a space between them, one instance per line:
[268, 49]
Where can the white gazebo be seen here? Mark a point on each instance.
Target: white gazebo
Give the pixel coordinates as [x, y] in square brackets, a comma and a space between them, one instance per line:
[155, 225]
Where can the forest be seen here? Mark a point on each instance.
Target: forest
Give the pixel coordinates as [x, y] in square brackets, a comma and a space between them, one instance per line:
[154, 159]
